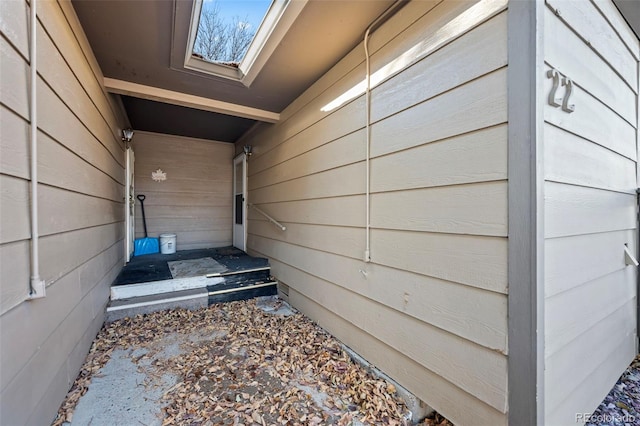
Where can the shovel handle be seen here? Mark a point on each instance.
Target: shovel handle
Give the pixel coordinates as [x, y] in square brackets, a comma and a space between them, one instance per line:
[141, 197]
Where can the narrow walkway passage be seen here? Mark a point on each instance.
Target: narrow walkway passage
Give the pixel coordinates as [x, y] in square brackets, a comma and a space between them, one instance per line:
[251, 362]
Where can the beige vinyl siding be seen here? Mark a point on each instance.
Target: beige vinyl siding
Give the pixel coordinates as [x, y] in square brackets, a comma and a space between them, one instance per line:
[431, 308]
[195, 201]
[590, 167]
[80, 166]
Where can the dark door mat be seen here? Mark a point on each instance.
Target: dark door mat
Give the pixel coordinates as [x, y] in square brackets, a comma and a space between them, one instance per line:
[143, 272]
[154, 267]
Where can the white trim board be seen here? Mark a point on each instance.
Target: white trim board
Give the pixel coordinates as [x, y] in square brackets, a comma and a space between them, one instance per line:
[157, 302]
[158, 94]
[238, 289]
[164, 286]
[228, 273]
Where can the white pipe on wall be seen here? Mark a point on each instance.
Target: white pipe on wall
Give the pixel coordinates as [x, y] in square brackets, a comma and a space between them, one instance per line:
[367, 250]
[37, 285]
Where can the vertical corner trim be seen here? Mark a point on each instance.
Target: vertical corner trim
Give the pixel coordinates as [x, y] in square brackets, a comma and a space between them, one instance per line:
[526, 213]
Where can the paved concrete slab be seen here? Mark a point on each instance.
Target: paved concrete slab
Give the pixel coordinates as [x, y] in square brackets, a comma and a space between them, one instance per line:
[120, 394]
[129, 388]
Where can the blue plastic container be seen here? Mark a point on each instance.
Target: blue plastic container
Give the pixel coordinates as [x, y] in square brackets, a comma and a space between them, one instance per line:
[146, 246]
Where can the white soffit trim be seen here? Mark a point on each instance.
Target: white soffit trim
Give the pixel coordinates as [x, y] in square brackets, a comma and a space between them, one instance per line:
[121, 87]
[275, 25]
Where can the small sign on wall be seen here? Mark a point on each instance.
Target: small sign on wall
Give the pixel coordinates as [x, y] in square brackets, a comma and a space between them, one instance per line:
[159, 175]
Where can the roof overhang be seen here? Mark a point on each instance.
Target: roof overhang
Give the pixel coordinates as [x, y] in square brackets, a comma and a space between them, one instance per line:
[630, 10]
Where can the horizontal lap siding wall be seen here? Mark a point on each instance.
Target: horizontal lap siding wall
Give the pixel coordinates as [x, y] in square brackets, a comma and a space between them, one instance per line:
[80, 165]
[431, 307]
[590, 160]
[195, 201]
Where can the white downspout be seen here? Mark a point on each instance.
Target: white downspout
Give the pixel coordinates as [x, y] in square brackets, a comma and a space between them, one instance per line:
[367, 250]
[37, 285]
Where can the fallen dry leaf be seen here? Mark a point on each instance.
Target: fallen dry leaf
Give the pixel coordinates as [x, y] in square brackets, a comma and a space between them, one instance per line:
[239, 365]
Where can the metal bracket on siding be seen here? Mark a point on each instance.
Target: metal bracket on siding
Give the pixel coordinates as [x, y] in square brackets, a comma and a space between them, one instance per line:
[629, 259]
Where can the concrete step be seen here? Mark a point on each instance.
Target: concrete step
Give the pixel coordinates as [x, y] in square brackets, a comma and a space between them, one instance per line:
[190, 293]
[128, 291]
[245, 292]
[186, 299]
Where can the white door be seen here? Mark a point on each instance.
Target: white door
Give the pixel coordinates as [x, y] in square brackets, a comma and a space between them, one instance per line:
[240, 201]
[129, 206]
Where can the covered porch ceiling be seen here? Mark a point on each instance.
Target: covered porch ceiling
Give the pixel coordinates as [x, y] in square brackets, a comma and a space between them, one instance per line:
[141, 47]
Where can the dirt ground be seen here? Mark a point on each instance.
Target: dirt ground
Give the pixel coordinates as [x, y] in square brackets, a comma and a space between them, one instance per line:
[236, 364]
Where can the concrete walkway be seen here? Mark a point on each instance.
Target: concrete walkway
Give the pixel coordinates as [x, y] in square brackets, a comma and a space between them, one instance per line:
[128, 390]
[123, 394]
[247, 363]
[252, 362]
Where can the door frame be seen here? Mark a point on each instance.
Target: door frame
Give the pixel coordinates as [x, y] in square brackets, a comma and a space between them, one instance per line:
[129, 205]
[240, 159]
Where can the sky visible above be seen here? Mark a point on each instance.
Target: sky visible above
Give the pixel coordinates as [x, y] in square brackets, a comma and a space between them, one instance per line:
[226, 29]
[252, 10]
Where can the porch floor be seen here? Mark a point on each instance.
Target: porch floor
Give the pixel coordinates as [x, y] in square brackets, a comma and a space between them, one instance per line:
[251, 362]
[155, 267]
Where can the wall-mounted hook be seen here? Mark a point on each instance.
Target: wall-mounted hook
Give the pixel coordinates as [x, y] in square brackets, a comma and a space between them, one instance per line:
[629, 259]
